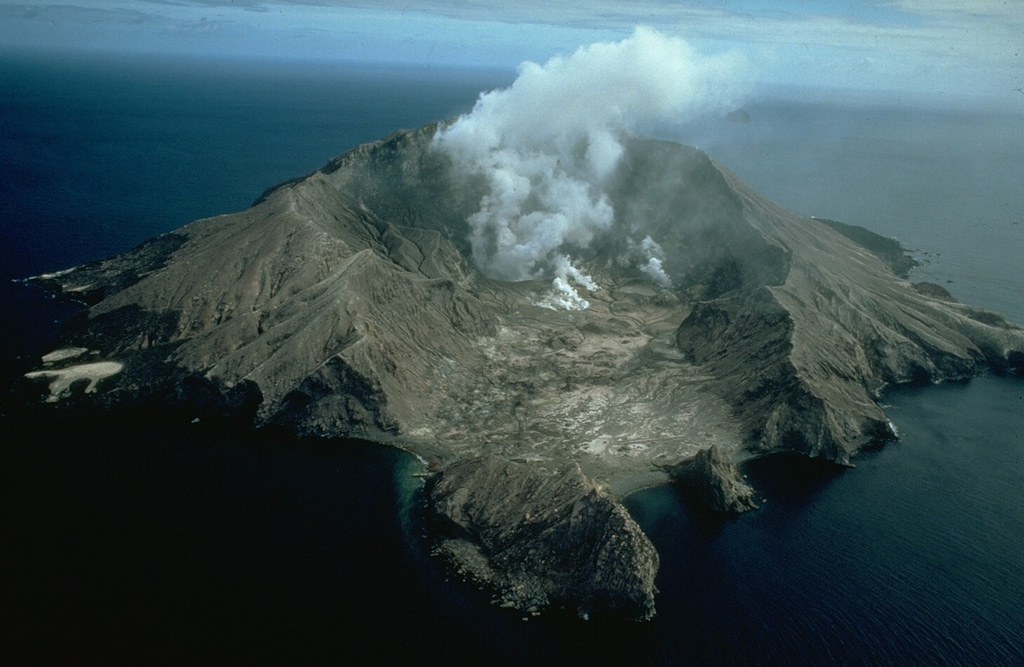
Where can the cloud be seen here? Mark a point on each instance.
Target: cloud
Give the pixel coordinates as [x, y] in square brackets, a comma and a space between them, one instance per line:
[547, 145]
[950, 46]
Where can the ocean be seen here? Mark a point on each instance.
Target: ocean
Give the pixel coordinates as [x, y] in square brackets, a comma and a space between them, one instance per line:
[152, 539]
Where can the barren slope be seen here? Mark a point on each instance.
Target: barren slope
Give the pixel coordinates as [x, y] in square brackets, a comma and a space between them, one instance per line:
[348, 299]
[346, 303]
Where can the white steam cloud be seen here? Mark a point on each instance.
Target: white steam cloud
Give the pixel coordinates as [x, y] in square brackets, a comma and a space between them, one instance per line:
[655, 255]
[562, 295]
[547, 145]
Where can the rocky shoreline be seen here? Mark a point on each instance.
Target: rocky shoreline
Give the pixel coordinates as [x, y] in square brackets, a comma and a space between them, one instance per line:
[541, 537]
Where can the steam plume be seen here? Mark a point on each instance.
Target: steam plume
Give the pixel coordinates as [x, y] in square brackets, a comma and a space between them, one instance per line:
[548, 144]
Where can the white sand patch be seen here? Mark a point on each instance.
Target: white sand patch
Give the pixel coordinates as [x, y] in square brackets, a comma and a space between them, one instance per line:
[62, 379]
[63, 354]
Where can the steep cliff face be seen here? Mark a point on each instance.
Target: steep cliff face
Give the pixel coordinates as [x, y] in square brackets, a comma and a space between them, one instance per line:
[803, 358]
[542, 537]
[715, 481]
[347, 303]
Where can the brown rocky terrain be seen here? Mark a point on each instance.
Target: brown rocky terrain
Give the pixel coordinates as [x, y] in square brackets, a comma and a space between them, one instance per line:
[346, 303]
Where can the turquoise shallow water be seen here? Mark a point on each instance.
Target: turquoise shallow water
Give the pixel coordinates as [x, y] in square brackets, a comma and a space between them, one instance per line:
[175, 538]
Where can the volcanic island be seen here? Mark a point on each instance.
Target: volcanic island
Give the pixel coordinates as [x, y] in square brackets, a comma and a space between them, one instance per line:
[705, 327]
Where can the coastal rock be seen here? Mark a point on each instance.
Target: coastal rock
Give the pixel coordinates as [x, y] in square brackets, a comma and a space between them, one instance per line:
[715, 481]
[542, 537]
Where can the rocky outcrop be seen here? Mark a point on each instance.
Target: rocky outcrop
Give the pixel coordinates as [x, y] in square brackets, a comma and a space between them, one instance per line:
[715, 481]
[802, 359]
[542, 537]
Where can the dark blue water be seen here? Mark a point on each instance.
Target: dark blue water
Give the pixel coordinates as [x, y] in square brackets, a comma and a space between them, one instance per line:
[913, 557]
[100, 154]
[166, 538]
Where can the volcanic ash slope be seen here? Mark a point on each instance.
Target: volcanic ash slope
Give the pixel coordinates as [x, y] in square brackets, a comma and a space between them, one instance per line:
[346, 303]
[349, 299]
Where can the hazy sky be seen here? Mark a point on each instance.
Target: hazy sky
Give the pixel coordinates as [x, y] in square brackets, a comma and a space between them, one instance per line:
[943, 47]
